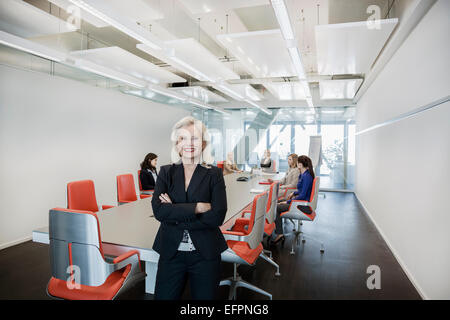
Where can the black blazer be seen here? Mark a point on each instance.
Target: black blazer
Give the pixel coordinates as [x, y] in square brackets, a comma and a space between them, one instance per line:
[206, 185]
[147, 181]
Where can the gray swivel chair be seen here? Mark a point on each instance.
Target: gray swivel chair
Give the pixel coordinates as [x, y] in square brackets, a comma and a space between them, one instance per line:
[302, 210]
[244, 247]
[78, 265]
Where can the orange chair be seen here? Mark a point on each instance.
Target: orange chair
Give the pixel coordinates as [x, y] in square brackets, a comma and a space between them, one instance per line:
[242, 224]
[302, 210]
[220, 164]
[126, 191]
[78, 265]
[244, 247]
[81, 196]
[140, 185]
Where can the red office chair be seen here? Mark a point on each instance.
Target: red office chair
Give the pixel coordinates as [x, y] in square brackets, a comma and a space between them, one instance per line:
[126, 191]
[302, 210]
[242, 224]
[79, 268]
[150, 192]
[220, 164]
[244, 247]
[81, 196]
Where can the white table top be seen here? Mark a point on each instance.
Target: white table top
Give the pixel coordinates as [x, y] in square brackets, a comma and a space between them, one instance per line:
[133, 224]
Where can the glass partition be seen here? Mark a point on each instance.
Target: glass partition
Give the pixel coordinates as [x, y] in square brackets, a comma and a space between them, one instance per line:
[248, 133]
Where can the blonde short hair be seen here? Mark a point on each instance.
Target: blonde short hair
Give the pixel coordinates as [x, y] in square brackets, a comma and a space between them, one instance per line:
[206, 156]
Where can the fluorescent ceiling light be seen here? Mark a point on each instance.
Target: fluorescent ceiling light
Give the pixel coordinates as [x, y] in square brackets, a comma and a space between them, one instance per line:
[31, 47]
[109, 73]
[167, 92]
[230, 92]
[200, 74]
[296, 60]
[102, 10]
[283, 19]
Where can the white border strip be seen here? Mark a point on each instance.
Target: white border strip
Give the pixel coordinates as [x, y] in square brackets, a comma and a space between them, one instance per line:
[15, 242]
[406, 115]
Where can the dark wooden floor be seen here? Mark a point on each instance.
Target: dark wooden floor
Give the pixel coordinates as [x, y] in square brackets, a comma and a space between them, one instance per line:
[351, 244]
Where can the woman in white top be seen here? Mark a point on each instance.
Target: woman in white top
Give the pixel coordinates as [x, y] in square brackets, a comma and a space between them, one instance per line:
[290, 180]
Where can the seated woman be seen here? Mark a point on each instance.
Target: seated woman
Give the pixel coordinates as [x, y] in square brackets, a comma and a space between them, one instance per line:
[266, 162]
[229, 166]
[304, 188]
[290, 180]
[148, 173]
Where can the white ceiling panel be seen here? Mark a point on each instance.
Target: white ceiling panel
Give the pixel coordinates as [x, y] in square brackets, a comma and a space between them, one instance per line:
[86, 16]
[350, 48]
[137, 10]
[263, 53]
[286, 90]
[24, 20]
[205, 6]
[197, 56]
[126, 62]
[200, 93]
[189, 56]
[339, 89]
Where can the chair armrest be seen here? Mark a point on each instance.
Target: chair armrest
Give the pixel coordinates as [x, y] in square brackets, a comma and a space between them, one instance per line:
[104, 207]
[234, 236]
[301, 202]
[143, 196]
[131, 257]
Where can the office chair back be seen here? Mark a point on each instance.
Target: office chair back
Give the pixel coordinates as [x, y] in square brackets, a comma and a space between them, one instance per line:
[272, 202]
[314, 193]
[220, 164]
[126, 191]
[81, 196]
[75, 241]
[257, 220]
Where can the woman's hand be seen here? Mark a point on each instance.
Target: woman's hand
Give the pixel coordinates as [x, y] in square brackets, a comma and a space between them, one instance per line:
[291, 196]
[282, 202]
[202, 207]
[269, 180]
[164, 197]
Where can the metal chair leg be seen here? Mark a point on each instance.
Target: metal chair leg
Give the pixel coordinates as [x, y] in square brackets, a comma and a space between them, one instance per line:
[270, 260]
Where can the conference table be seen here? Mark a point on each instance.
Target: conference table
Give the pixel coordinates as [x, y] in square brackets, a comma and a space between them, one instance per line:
[132, 226]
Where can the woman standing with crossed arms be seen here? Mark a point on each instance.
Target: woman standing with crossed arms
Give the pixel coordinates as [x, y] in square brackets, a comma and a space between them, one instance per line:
[190, 202]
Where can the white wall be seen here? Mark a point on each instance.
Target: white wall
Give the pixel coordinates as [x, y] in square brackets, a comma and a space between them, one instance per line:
[403, 176]
[55, 130]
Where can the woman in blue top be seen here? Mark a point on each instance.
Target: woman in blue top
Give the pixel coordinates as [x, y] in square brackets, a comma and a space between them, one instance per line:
[304, 188]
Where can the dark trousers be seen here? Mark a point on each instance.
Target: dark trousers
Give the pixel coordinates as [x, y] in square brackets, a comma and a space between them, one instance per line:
[172, 275]
[278, 220]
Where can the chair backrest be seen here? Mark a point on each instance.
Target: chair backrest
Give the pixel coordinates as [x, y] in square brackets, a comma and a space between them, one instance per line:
[220, 164]
[314, 193]
[125, 188]
[81, 196]
[139, 180]
[76, 247]
[257, 220]
[272, 201]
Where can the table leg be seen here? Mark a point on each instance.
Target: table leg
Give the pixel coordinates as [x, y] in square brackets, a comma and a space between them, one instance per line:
[150, 268]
